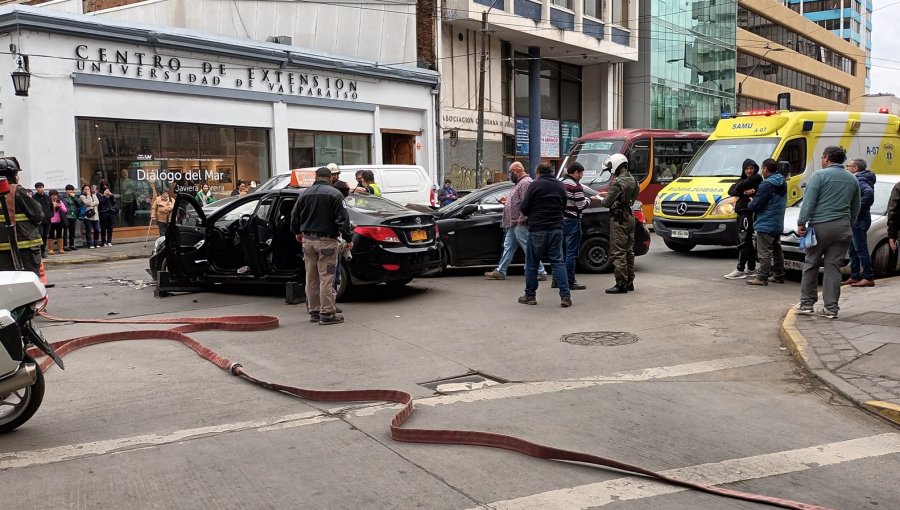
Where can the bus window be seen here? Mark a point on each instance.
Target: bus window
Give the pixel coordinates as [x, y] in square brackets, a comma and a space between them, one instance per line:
[794, 152]
[639, 160]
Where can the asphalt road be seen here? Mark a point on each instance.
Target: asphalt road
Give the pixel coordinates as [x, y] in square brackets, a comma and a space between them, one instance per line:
[706, 392]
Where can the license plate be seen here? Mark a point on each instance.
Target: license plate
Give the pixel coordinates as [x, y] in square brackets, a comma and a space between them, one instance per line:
[419, 235]
[681, 234]
[793, 265]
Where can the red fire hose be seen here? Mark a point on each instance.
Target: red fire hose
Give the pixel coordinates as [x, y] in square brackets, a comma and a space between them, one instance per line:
[398, 433]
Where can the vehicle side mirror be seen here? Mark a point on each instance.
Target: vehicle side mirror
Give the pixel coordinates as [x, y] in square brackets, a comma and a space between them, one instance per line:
[784, 168]
[468, 210]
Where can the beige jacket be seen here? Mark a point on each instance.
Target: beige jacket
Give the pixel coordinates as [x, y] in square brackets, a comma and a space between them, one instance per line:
[161, 209]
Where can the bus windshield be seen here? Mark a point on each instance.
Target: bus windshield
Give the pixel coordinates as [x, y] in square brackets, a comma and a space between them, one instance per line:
[592, 154]
[724, 158]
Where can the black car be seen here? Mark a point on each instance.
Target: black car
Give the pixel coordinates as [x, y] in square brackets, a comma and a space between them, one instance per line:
[471, 233]
[249, 241]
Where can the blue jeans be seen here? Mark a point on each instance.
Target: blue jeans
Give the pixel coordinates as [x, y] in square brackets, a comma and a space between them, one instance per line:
[91, 226]
[513, 238]
[545, 244]
[572, 236]
[860, 259]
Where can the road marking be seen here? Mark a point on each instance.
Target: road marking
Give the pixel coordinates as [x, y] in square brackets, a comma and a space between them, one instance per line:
[95, 448]
[716, 473]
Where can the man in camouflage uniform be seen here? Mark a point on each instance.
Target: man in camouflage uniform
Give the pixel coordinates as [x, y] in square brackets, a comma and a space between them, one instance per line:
[622, 193]
[27, 216]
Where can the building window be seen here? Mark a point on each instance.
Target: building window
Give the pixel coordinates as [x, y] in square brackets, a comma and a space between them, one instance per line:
[309, 148]
[567, 4]
[138, 160]
[560, 97]
[593, 8]
[785, 76]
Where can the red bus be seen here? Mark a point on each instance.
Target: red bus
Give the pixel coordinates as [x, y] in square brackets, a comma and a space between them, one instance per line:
[655, 157]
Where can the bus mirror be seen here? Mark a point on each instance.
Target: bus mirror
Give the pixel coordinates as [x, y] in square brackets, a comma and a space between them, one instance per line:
[784, 168]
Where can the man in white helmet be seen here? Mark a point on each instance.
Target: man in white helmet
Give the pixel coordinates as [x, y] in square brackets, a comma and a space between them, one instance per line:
[620, 197]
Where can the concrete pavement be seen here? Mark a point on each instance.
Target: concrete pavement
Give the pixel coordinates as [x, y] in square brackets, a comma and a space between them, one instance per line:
[858, 354]
[122, 249]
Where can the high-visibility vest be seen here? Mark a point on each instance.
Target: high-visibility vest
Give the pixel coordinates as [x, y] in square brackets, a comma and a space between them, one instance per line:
[375, 189]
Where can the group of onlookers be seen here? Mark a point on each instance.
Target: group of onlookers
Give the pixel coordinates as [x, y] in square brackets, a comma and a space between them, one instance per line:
[96, 208]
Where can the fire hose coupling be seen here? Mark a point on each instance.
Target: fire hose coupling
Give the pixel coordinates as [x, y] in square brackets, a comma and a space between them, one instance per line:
[234, 368]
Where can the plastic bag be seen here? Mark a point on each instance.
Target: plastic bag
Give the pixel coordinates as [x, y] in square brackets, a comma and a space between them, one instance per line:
[808, 240]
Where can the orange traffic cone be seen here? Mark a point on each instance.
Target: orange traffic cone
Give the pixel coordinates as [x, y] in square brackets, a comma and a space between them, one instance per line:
[43, 275]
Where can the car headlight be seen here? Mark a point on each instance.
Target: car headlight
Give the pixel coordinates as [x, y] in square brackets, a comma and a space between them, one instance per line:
[657, 204]
[158, 245]
[725, 207]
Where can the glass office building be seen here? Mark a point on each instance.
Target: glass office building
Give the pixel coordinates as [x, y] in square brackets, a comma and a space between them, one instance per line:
[685, 77]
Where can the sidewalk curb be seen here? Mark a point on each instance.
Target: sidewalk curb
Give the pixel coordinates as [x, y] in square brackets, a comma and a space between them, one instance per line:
[799, 347]
[95, 260]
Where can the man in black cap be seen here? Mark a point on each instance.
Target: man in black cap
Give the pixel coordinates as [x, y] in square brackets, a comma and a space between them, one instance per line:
[318, 219]
[26, 215]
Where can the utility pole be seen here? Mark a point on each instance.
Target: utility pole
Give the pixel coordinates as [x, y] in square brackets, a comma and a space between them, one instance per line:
[479, 140]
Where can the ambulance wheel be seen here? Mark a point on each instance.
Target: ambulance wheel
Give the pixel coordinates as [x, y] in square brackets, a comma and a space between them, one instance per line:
[679, 246]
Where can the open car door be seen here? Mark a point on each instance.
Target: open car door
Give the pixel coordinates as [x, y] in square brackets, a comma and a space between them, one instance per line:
[257, 233]
[186, 238]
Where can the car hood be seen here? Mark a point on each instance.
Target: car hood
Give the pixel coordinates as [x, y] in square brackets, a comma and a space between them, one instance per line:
[790, 220]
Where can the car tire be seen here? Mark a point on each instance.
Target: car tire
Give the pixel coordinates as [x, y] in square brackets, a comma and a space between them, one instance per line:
[445, 260]
[679, 246]
[345, 284]
[884, 260]
[594, 255]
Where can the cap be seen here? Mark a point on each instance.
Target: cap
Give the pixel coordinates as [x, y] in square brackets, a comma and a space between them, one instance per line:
[333, 167]
[613, 162]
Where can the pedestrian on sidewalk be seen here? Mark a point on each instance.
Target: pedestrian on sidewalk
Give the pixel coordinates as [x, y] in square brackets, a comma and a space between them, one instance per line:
[744, 189]
[91, 218]
[162, 208]
[893, 216]
[768, 204]
[108, 211]
[576, 203]
[830, 206]
[862, 273]
[620, 198]
[514, 225]
[446, 195]
[42, 198]
[544, 206]
[72, 206]
[57, 224]
[319, 218]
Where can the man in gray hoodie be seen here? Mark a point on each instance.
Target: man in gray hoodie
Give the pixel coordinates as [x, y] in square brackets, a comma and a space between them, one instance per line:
[830, 206]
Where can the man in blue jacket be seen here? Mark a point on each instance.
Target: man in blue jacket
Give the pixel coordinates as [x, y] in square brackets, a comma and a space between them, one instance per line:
[862, 274]
[769, 203]
[830, 206]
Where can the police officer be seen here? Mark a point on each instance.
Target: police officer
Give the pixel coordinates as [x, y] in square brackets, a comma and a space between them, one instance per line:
[27, 216]
[622, 193]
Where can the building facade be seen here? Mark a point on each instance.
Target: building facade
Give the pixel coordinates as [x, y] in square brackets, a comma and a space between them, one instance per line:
[150, 108]
[851, 20]
[781, 51]
[553, 71]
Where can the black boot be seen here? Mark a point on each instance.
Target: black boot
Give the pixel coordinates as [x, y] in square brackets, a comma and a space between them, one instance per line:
[617, 289]
[630, 286]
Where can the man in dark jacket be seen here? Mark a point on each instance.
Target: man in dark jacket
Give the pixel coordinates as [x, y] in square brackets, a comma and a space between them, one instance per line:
[744, 189]
[41, 197]
[27, 215]
[862, 274]
[318, 219]
[769, 203]
[544, 205]
[893, 216]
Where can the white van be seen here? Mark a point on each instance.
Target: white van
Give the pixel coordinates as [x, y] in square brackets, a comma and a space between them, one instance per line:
[404, 184]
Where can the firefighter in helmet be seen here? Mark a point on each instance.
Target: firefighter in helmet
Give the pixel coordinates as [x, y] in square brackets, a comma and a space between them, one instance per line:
[621, 196]
[25, 213]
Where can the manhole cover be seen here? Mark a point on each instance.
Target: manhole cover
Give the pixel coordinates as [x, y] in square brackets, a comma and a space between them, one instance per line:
[605, 338]
[465, 382]
[876, 318]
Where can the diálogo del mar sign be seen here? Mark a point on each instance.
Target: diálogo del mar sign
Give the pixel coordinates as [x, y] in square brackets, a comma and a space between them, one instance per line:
[152, 66]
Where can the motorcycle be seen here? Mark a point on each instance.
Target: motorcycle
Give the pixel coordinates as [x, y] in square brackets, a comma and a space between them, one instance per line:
[22, 297]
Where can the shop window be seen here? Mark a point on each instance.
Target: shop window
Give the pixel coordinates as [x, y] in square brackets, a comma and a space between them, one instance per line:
[309, 149]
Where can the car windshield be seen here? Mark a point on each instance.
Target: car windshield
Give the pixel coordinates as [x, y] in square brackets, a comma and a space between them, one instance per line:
[475, 197]
[592, 154]
[369, 203]
[275, 182]
[725, 158]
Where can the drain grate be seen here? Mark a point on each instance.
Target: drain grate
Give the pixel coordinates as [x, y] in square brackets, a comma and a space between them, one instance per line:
[465, 382]
[876, 318]
[604, 338]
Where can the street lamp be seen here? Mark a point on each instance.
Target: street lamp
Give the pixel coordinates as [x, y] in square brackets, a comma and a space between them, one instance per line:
[768, 50]
[21, 79]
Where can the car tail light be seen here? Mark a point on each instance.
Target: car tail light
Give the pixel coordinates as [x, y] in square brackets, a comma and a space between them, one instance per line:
[390, 267]
[639, 215]
[380, 234]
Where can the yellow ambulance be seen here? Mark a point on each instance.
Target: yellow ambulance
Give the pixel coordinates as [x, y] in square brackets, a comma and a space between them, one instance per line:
[695, 209]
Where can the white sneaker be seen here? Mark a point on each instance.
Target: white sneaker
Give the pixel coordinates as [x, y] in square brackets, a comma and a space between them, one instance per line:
[804, 310]
[108, 244]
[736, 275]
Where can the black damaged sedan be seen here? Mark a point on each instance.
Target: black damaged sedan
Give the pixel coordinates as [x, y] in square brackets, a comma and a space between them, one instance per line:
[249, 241]
[471, 233]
